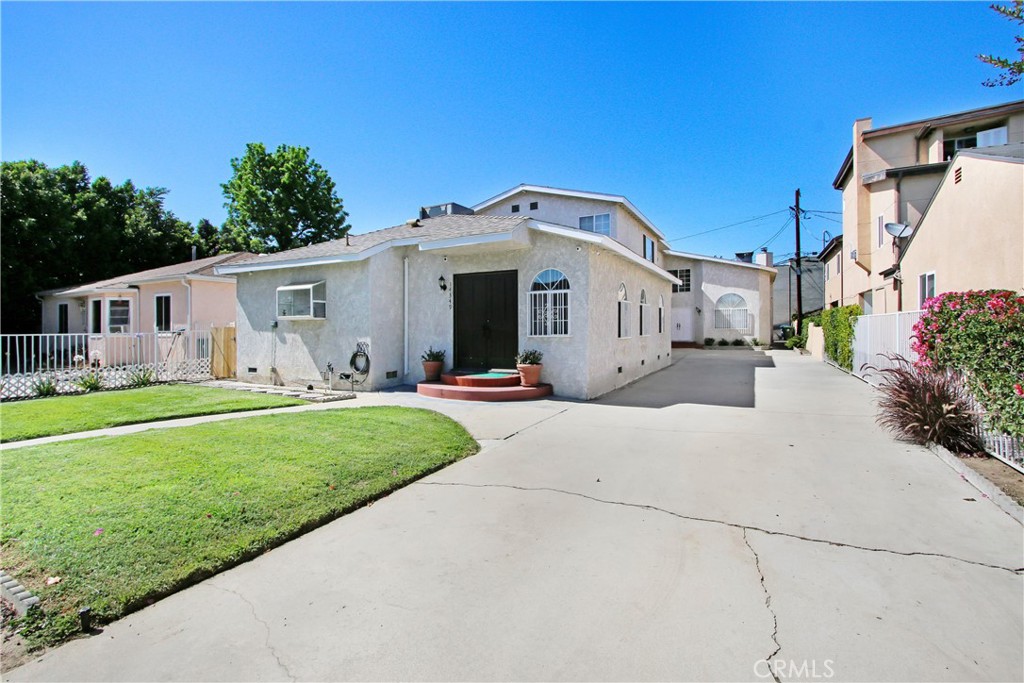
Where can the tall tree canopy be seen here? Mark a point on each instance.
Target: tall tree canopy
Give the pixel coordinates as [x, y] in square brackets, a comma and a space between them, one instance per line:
[61, 229]
[1012, 70]
[281, 200]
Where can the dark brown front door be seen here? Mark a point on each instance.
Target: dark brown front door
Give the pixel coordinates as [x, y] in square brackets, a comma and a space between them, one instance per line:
[486, 320]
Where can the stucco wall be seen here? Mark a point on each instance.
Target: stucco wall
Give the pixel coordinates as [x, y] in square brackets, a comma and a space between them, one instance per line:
[431, 321]
[78, 316]
[300, 349]
[973, 235]
[636, 355]
[213, 303]
[625, 228]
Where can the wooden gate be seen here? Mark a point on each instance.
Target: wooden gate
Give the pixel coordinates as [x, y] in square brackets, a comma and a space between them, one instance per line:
[222, 357]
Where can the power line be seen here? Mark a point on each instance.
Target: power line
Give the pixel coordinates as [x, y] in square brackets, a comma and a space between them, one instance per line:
[731, 225]
[778, 232]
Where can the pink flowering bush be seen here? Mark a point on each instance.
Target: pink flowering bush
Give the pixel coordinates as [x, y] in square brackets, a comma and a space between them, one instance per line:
[979, 334]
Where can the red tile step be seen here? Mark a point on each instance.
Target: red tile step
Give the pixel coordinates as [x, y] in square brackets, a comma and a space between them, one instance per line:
[465, 378]
[487, 393]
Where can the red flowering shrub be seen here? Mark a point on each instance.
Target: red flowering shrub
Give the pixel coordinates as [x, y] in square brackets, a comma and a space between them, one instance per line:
[979, 334]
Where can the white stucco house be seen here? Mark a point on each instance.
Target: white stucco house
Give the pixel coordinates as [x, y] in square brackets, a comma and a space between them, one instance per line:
[581, 276]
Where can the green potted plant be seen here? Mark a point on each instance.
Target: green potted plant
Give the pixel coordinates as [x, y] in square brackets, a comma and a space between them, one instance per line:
[529, 366]
[433, 364]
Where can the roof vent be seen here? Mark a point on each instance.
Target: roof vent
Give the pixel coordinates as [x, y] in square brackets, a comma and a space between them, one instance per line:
[449, 209]
[745, 256]
[413, 223]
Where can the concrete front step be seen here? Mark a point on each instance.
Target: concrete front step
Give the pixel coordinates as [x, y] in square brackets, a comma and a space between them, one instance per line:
[499, 393]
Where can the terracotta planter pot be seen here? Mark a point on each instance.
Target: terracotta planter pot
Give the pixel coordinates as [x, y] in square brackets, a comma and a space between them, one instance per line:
[529, 375]
[432, 369]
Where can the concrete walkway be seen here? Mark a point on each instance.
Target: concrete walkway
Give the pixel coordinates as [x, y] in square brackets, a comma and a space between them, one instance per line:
[597, 541]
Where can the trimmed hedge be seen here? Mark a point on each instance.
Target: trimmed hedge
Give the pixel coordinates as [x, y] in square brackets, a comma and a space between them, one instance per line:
[837, 325]
[979, 334]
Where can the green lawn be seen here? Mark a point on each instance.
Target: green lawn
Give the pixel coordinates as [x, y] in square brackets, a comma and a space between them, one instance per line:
[67, 414]
[123, 520]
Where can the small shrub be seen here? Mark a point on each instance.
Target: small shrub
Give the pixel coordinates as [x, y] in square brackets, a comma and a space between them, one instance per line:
[738, 342]
[529, 357]
[142, 377]
[44, 386]
[709, 341]
[926, 407]
[89, 382]
[797, 341]
[432, 356]
[755, 342]
[723, 342]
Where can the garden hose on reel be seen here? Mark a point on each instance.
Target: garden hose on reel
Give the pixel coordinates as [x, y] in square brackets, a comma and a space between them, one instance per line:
[359, 364]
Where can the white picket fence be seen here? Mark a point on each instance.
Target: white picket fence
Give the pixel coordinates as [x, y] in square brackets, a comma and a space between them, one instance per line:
[27, 360]
[888, 333]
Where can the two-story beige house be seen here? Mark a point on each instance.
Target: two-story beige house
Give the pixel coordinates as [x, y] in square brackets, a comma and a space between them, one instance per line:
[890, 176]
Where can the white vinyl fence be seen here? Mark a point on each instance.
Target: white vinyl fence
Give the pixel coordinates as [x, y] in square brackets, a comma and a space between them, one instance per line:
[889, 333]
[26, 360]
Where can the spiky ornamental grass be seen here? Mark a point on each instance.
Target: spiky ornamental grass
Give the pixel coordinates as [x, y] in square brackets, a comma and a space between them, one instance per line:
[927, 407]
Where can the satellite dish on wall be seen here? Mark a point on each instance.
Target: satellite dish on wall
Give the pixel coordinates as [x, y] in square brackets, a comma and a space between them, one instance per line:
[898, 229]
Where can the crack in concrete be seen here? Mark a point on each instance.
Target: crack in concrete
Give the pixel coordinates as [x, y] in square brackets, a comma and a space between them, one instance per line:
[266, 627]
[531, 426]
[768, 605]
[734, 525]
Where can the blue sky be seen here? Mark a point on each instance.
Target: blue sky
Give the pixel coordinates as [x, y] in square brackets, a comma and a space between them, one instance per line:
[702, 114]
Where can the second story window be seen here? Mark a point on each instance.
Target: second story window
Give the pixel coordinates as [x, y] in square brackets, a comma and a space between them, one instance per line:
[515, 208]
[684, 280]
[600, 223]
[648, 249]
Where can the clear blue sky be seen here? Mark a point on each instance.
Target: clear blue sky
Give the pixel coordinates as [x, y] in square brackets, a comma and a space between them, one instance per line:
[702, 114]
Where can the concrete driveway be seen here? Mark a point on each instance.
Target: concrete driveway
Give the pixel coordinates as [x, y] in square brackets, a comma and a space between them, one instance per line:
[599, 541]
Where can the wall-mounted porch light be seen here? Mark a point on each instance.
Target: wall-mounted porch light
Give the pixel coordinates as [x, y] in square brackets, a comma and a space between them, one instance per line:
[442, 283]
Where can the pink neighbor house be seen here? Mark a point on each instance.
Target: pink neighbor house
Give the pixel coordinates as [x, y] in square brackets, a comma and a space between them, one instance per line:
[183, 296]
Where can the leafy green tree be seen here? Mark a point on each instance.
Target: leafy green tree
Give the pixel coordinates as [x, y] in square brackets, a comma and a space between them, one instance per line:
[1012, 70]
[281, 200]
[207, 239]
[60, 229]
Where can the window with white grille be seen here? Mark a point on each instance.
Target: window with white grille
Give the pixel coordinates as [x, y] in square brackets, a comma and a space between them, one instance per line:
[549, 304]
[731, 313]
[623, 312]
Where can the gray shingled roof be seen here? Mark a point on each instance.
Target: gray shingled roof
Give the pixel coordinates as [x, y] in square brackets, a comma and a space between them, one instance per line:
[203, 266]
[427, 230]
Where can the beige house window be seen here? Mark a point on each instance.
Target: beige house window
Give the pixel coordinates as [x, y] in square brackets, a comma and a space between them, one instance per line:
[731, 313]
[925, 288]
[549, 304]
[623, 312]
[600, 223]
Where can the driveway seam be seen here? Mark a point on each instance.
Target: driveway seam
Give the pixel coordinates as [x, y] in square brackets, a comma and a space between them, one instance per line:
[1019, 571]
[266, 627]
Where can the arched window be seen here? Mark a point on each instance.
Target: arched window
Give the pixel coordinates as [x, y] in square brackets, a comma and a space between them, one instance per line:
[731, 313]
[661, 314]
[623, 312]
[645, 314]
[549, 304]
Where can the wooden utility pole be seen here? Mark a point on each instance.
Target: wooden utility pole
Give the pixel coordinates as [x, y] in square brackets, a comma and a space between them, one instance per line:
[799, 288]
